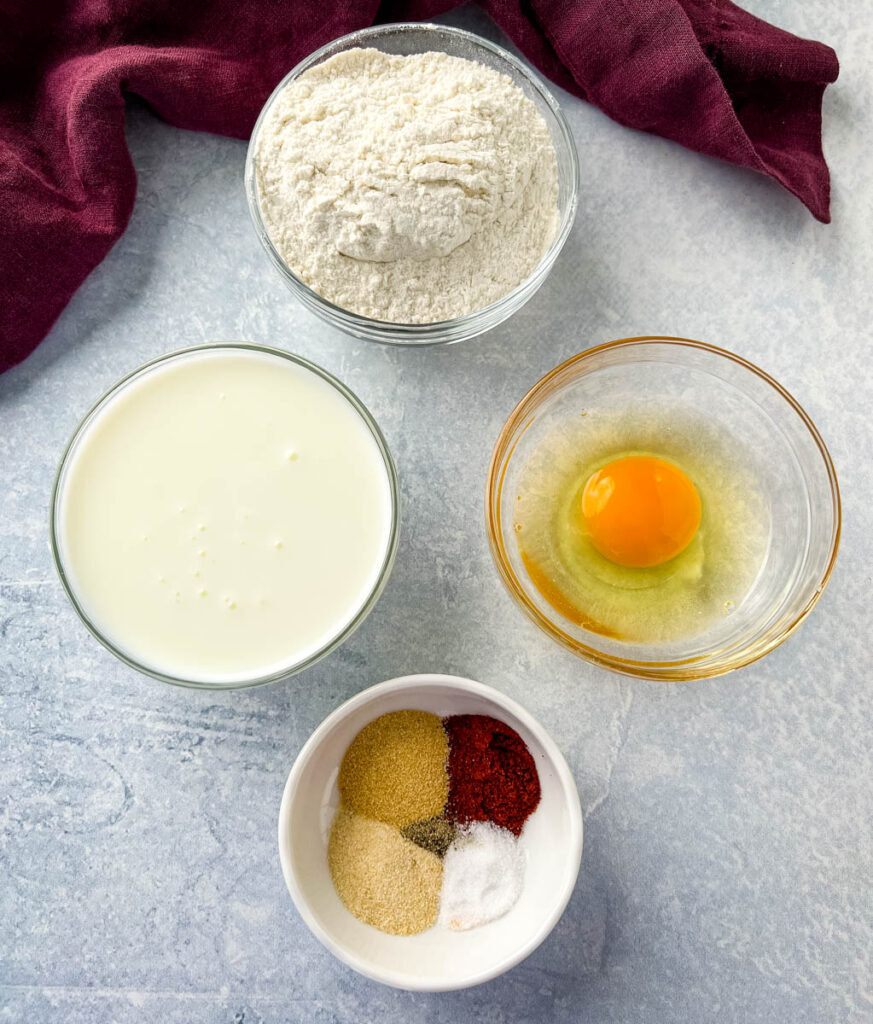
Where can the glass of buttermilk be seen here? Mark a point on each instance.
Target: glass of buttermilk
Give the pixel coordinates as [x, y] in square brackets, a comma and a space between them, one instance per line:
[225, 516]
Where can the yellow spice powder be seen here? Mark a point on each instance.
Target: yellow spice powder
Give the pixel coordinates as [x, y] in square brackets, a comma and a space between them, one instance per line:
[395, 769]
[385, 880]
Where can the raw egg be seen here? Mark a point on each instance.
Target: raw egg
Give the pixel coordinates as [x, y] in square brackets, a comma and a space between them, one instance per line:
[641, 525]
[640, 511]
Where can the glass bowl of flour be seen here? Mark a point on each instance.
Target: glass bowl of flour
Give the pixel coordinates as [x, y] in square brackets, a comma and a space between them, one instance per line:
[412, 183]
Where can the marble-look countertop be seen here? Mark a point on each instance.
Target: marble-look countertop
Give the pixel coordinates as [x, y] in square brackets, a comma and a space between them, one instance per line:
[728, 860]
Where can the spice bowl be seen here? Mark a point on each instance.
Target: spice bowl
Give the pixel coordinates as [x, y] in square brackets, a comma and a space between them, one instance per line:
[416, 38]
[437, 959]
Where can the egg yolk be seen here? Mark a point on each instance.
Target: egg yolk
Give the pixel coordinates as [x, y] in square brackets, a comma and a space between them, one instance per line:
[640, 511]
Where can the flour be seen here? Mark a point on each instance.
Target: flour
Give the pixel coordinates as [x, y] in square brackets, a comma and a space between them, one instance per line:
[408, 189]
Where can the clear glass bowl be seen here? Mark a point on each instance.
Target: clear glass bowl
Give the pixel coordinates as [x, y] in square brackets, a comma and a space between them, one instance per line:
[780, 445]
[61, 562]
[424, 38]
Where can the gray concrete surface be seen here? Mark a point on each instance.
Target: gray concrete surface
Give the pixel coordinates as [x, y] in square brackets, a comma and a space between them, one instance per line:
[727, 866]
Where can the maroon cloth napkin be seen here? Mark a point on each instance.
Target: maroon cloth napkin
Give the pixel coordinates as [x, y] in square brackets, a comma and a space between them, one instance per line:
[702, 72]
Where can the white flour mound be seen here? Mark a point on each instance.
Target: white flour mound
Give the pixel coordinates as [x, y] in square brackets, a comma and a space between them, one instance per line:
[409, 189]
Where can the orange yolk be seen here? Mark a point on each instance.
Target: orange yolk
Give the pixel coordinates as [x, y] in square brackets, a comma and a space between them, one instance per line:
[640, 511]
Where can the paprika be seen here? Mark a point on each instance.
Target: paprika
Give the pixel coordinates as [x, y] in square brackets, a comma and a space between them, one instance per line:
[492, 774]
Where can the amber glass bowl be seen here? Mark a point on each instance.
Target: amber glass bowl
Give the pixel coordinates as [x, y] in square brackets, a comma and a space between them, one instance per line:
[792, 469]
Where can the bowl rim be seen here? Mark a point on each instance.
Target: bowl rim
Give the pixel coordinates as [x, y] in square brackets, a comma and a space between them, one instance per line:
[413, 334]
[280, 673]
[574, 839]
[700, 666]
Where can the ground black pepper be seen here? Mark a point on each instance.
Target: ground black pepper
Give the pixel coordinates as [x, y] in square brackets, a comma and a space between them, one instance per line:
[433, 834]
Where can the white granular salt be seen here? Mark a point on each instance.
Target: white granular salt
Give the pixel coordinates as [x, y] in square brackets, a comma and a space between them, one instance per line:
[410, 189]
[483, 874]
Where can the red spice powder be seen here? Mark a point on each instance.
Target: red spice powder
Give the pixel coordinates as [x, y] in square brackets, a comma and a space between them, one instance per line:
[492, 774]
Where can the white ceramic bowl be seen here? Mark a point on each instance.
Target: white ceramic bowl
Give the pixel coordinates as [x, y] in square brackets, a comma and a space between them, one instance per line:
[438, 959]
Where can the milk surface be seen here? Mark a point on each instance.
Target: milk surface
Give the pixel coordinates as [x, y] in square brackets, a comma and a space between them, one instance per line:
[224, 515]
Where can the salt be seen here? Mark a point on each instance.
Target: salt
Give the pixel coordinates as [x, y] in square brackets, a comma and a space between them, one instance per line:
[483, 874]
